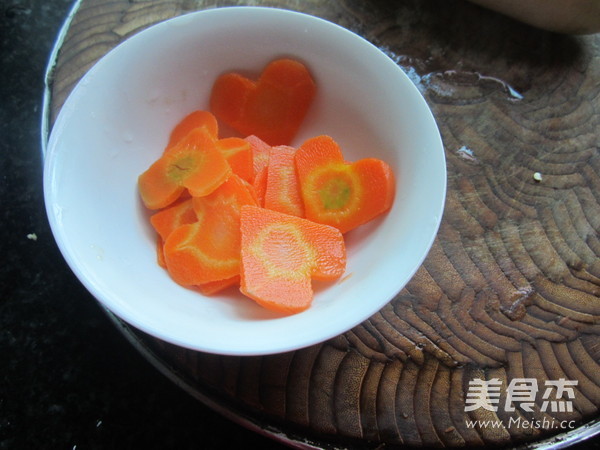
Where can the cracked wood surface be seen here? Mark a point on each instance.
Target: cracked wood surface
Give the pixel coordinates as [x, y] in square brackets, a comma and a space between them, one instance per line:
[511, 286]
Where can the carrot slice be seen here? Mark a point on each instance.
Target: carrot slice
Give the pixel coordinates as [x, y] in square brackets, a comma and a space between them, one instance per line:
[196, 119]
[282, 253]
[283, 190]
[214, 287]
[160, 253]
[260, 153]
[344, 195]
[238, 153]
[194, 163]
[172, 217]
[209, 250]
[260, 156]
[271, 108]
[260, 186]
[228, 98]
[167, 220]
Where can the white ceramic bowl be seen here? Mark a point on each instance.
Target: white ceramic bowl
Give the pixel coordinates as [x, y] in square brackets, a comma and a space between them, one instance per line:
[116, 123]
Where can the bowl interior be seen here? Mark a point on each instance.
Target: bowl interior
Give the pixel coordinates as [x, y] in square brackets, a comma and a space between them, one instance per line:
[117, 121]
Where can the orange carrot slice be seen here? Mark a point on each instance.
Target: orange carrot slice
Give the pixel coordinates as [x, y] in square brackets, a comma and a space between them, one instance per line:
[214, 287]
[228, 98]
[194, 163]
[260, 186]
[271, 108]
[160, 253]
[282, 253]
[209, 250]
[167, 220]
[196, 119]
[260, 153]
[344, 195]
[172, 217]
[238, 153]
[283, 190]
[260, 156]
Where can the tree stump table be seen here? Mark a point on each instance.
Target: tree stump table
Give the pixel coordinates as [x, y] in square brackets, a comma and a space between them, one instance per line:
[496, 338]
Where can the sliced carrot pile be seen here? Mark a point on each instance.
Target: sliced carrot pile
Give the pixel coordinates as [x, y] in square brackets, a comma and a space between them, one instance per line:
[194, 163]
[282, 253]
[209, 250]
[254, 212]
[282, 191]
[335, 192]
[272, 107]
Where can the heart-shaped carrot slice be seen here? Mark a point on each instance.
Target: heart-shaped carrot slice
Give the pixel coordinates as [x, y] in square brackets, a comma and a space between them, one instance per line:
[195, 119]
[338, 193]
[281, 255]
[272, 107]
[194, 163]
[168, 219]
[208, 250]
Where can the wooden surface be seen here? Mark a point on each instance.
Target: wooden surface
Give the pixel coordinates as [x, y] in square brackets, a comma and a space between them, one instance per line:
[511, 286]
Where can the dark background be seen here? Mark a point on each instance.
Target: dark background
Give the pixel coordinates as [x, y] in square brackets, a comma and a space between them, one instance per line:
[68, 378]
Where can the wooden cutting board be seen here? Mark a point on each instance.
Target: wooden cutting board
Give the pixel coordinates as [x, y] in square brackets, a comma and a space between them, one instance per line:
[509, 294]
